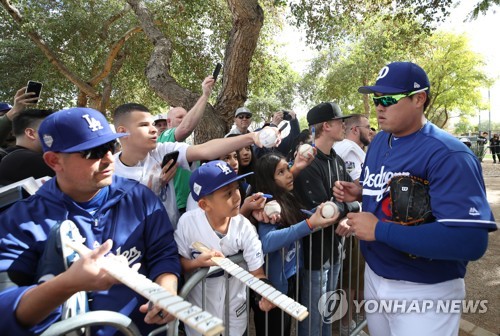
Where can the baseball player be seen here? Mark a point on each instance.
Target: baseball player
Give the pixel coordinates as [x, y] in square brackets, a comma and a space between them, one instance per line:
[218, 225]
[416, 262]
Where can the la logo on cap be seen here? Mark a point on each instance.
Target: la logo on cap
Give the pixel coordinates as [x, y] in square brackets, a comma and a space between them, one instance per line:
[225, 168]
[94, 124]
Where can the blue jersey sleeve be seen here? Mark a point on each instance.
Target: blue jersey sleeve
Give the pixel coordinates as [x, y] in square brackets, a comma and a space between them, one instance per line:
[435, 240]
[163, 256]
[9, 300]
[458, 193]
[274, 239]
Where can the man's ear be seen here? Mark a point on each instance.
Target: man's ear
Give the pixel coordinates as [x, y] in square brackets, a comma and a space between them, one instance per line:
[52, 160]
[30, 133]
[121, 129]
[421, 97]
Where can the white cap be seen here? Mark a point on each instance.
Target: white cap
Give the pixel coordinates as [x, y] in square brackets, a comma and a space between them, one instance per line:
[159, 117]
[241, 110]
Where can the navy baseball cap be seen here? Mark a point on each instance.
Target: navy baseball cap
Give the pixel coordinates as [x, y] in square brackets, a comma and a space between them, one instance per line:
[211, 176]
[324, 112]
[5, 107]
[399, 77]
[74, 130]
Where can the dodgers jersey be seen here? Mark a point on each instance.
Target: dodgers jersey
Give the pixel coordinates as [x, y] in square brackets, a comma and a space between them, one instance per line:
[241, 237]
[457, 193]
[132, 216]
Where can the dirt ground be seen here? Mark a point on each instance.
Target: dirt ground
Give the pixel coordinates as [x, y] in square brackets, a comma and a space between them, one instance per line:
[483, 276]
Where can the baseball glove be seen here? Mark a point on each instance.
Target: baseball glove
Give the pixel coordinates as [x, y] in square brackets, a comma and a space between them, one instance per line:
[410, 200]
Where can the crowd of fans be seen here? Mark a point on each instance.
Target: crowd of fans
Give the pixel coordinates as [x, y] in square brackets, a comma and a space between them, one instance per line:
[125, 199]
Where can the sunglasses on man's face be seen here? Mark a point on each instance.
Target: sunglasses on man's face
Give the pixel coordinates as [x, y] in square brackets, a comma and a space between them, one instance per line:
[244, 116]
[100, 151]
[390, 100]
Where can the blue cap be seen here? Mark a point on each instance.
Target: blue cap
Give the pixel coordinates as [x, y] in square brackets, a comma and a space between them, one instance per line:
[399, 77]
[74, 130]
[211, 176]
[5, 107]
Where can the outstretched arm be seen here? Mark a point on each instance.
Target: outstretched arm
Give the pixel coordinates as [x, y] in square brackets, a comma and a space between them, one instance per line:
[216, 148]
[193, 117]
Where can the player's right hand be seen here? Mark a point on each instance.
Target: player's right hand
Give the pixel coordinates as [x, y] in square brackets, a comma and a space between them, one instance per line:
[347, 191]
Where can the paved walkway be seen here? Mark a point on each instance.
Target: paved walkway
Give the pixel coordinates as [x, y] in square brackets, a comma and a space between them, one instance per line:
[483, 276]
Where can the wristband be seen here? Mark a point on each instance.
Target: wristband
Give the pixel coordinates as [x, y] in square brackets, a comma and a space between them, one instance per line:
[309, 224]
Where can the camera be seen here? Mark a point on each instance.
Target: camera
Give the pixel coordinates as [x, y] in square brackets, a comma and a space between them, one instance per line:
[287, 115]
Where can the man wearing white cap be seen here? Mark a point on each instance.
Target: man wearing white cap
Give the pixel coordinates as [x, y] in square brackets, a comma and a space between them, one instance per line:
[242, 120]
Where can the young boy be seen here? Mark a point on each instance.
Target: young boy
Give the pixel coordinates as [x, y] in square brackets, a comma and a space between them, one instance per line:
[141, 156]
[219, 225]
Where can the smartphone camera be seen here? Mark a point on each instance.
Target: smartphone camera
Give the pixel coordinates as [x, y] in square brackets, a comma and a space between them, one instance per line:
[287, 115]
[35, 87]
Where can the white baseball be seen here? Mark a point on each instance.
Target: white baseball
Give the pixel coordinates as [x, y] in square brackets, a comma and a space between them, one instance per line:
[305, 150]
[272, 208]
[267, 137]
[329, 210]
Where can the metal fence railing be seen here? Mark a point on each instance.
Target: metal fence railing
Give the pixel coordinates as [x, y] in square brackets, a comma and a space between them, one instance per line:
[349, 287]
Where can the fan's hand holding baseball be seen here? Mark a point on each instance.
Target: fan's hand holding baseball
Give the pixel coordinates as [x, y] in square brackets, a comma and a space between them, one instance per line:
[318, 221]
[362, 225]
[267, 137]
[304, 158]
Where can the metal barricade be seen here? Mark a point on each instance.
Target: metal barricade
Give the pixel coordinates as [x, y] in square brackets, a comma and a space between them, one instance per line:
[349, 287]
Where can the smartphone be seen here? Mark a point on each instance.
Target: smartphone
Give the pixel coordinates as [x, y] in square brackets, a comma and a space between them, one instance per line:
[216, 71]
[169, 156]
[35, 87]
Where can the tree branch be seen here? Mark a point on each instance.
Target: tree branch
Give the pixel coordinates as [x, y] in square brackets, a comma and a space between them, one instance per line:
[51, 56]
[112, 55]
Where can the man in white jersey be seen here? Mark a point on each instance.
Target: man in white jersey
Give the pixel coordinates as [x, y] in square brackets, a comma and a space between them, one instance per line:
[141, 155]
[351, 149]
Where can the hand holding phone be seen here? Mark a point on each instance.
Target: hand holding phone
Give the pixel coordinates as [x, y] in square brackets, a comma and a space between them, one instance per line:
[35, 87]
[170, 156]
[216, 71]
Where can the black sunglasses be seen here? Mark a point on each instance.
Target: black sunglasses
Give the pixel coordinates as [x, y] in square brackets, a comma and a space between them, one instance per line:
[246, 116]
[100, 151]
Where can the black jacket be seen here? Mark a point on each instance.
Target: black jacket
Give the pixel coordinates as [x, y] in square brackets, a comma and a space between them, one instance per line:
[313, 186]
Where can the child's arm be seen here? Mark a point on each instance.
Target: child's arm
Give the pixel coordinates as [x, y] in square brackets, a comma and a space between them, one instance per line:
[264, 304]
[203, 260]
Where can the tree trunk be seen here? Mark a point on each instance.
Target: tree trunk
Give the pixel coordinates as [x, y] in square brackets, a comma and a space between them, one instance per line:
[248, 18]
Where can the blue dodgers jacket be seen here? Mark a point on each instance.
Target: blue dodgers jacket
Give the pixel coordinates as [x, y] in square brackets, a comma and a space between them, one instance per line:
[132, 216]
[273, 240]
